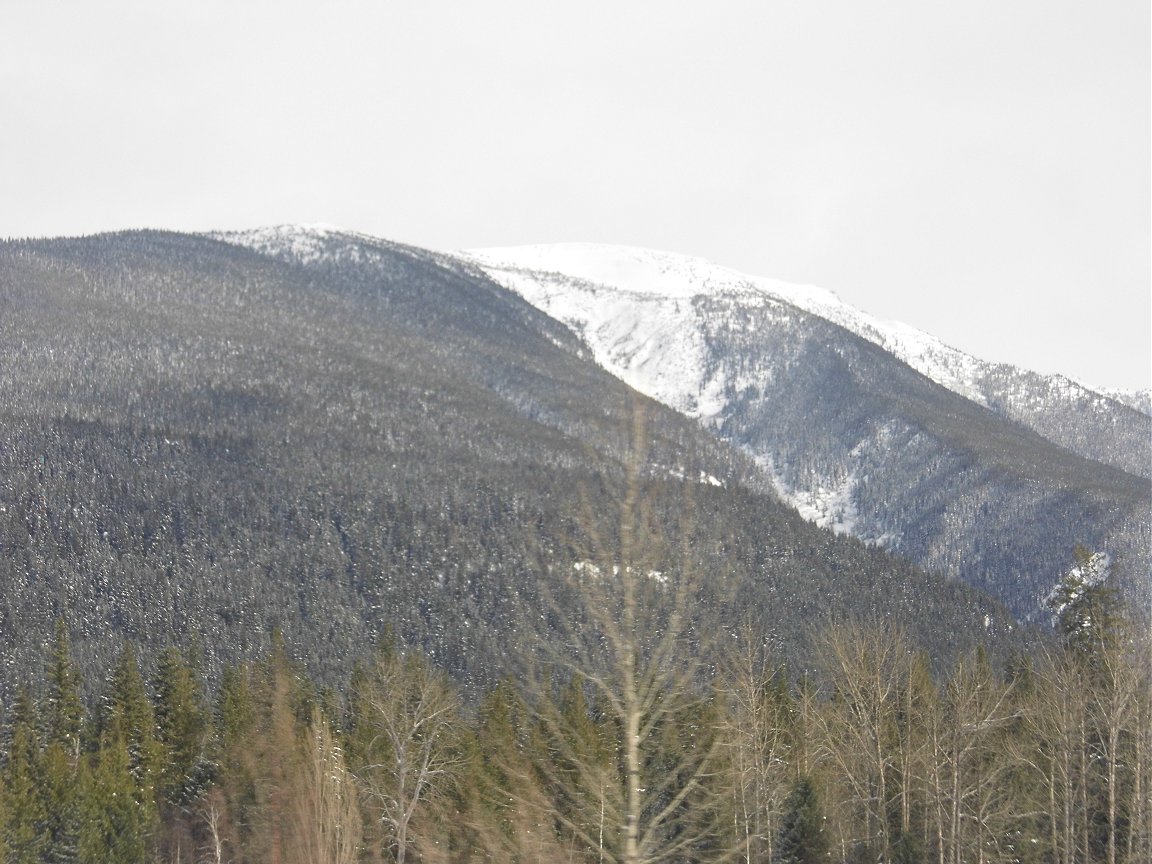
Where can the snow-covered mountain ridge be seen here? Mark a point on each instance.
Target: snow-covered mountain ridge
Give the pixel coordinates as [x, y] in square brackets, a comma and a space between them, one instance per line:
[649, 275]
[634, 309]
[605, 292]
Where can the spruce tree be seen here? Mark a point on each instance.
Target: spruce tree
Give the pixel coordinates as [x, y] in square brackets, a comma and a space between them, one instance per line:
[182, 729]
[802, 839]
[61, 768]
[122, 806]
[64, 708]
[25, 818]
[116, 826]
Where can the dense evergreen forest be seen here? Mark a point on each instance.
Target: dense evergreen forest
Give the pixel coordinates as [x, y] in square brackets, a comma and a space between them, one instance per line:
[201, 444]
[641, 754]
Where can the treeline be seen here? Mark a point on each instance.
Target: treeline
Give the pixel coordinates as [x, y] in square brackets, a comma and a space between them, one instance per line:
[867, 758]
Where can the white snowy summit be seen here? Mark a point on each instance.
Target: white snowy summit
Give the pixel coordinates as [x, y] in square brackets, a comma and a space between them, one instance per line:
[575, 281]
[304, 244]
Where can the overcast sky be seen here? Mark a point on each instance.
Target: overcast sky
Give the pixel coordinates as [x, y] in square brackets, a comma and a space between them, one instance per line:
[980, 170]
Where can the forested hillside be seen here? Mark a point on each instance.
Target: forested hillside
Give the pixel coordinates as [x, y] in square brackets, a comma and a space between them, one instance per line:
[202, 444]
[362, 558]
[645, 755]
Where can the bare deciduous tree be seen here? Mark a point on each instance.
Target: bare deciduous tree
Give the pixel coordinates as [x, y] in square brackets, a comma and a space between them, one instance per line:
[645, 795]
[327, 803]
[758, 739]
[409, 718]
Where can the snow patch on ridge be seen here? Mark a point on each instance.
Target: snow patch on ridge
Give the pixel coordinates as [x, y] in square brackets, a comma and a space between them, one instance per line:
[303, 243]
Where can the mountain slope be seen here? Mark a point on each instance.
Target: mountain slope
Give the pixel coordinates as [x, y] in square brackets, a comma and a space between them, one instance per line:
[202, 442]
[1107, 427]
[856, 439]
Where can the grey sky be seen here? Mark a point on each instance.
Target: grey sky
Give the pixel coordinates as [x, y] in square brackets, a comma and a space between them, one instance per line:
[980, 170]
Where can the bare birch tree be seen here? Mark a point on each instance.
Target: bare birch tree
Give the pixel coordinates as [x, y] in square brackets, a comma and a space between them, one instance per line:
[408, 719]
[758, 741]
[647, 796]
[867, 668]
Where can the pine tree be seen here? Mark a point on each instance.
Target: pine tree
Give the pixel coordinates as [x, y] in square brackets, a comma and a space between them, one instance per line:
[116, 826]
[1088, 608]
[231, 811]
[64, 709]
[122, 800]
[183, 733]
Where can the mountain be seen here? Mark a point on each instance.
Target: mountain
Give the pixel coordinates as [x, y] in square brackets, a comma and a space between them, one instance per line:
[986, 472]
[1109, 426]
[206, 439]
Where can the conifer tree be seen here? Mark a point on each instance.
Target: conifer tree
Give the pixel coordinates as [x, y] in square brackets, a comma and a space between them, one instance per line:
[508, 815]
[116, 825]
[129, 721]
[61, 771]
[802, 838]
[228, 815]
[120, 804]
[62, 782]
[25, 825]
[183, 734]
[182, 730]
[64, 707]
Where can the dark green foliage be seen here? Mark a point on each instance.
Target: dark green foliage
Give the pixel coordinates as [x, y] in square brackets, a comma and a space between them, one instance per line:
[64, 708]
[117, 820]
[63, 777]
[1088, 607]
[802, 839]
[63, 768]
[182, 729]
[25, 815]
